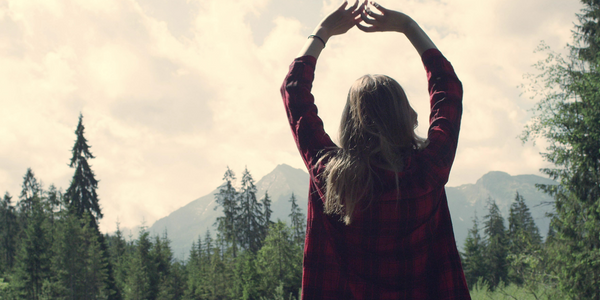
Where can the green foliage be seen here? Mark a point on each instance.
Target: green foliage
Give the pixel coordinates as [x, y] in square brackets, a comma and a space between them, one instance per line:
[78, 261]
[473, 257]
[482, 291]
[246, 277]
[81, 195]
[119, 252]
[524, 242]
[51, 247]
[250, 219]
[567, 117]
[266, 203]
[496, 246]
[298, 223]
[8, 234]
[279, 261]
[227, 199]
[140, 270]
[33, 259]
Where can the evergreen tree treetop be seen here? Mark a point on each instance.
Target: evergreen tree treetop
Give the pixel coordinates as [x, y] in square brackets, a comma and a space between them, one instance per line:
[497, 248]
[298, 221]
[473, 260]
[81, 150]
[81, 194]
[251, 217]
[30, 187]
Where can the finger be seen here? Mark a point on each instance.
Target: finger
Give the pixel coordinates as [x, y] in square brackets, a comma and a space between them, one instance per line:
[353, 7]
[375, 16]
[343, 6]
[365, 18]
[379, 7]
[360, 9]
[366, 28]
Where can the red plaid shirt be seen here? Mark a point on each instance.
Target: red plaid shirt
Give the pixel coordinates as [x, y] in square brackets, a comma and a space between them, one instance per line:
[402, 246]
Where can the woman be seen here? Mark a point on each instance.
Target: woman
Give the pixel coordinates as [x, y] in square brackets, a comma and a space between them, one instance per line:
[378, 221]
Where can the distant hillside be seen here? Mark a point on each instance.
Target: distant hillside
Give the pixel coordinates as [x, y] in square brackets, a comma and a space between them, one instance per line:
[184, 225]
[187, 223]
[464, 200]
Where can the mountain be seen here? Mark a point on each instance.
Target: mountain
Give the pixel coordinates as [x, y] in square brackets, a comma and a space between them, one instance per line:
[467, 199]
[186, 224]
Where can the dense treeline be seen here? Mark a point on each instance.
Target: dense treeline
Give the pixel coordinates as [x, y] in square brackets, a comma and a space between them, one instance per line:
[498, 255]
[567, 264]
[51, 247]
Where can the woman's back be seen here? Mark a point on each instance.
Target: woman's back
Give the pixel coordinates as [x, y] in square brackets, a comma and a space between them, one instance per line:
[400, 243]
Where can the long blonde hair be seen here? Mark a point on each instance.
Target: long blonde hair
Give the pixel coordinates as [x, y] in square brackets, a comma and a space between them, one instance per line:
[377, 129]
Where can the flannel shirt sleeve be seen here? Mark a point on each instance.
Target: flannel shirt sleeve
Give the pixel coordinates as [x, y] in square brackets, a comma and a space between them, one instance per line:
[307, 127]
[445, 91]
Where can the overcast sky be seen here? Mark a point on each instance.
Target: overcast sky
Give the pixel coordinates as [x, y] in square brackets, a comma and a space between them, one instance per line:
[174, 91]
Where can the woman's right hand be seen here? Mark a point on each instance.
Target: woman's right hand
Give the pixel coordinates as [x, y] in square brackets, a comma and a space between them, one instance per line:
[391, 20]
[386, 20]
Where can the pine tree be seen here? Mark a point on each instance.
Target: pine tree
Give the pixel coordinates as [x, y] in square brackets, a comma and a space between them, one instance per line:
[139, 275]
[119, 257]
[267, 212]
[246, 277]
[178, 282]
[96, 276]
[70, 257]
[33, 259]
[79, 260]
[298, 222]
[81, 194]
[279, 261]
[567, 117]
[30, 190]
[522, 230]
[9, 230]
[251, 218]
[163, 256]
[227, 199]
[473, 258]
[194, 270]
[524, 240]
[496, 246]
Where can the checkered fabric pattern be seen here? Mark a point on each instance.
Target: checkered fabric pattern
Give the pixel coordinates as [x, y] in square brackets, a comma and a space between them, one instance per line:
[402, 245]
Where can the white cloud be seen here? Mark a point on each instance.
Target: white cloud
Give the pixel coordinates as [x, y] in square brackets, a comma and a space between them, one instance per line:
[174, 91]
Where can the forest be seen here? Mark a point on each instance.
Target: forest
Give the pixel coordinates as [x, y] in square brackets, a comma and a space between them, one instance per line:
[51, 246]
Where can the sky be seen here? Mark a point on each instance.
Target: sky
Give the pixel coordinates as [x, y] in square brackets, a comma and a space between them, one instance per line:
[172, 92]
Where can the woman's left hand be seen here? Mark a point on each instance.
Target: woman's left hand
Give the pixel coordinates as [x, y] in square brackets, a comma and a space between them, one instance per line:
[340, 20]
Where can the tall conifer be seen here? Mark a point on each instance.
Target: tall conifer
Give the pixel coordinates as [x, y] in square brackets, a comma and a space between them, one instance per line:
[251, 217]
[267, 212]
[227, 199]
[473, 258]
[497, 248]
[279, 261]
[298, 222]
[81, 194]
[8, 234]
[31, 190]
[33, 259]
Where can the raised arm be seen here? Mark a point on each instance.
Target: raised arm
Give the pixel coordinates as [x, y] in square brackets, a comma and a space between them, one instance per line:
[390, 20]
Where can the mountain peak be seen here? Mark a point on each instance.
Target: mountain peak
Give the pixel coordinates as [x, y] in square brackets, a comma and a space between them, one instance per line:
[493, 177]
